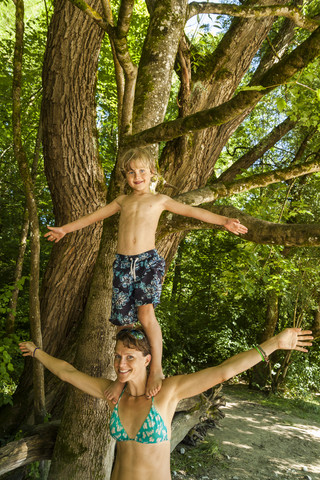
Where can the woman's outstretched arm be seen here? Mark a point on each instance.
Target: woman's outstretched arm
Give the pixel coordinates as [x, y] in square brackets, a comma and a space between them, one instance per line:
[65, 371]
[195, 383]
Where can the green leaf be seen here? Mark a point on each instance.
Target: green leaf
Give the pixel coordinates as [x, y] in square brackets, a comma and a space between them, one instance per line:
[281, 104]
[10, 367]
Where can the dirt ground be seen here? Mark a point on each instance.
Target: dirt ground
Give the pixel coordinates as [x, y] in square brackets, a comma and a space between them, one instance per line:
[253, 442]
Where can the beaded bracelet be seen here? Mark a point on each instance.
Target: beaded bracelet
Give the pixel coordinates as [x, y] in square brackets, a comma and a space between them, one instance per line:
[34, 351]
[263, 354]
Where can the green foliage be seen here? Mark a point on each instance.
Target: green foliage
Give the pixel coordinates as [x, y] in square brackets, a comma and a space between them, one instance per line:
[215, 299]
[11, 362]
[10, 367]
[300, 99]
[33, 471]
[207, 278]
[12, 203]
[304, 375]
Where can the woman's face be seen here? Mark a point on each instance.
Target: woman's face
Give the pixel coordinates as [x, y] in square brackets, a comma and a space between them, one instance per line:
[129, 363]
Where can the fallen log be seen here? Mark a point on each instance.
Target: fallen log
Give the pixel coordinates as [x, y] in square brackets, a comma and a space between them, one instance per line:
[194, 410]
[35, 447]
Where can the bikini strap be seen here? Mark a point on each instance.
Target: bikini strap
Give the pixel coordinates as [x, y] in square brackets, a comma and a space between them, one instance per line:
[121, 393]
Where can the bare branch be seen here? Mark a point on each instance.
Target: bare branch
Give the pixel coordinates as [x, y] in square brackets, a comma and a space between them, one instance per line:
[120, 81]
[259, 231]
[289, 11]
[28, 186]
[107, 11]
[258, 150]
[222, 190]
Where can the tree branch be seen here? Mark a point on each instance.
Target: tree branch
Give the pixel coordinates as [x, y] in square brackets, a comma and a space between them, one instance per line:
[120, 48]
[124, 17]
[120, 81]
[289, 11]
[259, 231]
[211, 193]
[90, 12]
[107, 11]
[257, 151]
[277, 75]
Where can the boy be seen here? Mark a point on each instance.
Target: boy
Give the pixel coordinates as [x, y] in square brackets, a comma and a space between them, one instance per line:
[138, 269]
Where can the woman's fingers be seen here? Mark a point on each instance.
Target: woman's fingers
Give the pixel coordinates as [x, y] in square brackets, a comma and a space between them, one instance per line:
[26, 348]
[291, 338]
[303, 340]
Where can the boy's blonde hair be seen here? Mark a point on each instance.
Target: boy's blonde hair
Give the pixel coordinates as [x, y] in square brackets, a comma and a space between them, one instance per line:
[141, 154]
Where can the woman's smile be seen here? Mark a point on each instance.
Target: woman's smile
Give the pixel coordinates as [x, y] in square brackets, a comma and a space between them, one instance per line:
[127, 362]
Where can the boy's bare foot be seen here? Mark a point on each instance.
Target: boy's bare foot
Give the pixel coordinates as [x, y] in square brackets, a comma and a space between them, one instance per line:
[114, 390]
[154, 383]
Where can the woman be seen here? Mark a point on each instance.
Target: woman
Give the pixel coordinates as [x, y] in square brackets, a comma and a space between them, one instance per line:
[140, 425]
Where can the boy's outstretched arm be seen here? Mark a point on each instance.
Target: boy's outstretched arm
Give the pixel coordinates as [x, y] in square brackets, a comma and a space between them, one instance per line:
[56, 233]
[231, 224]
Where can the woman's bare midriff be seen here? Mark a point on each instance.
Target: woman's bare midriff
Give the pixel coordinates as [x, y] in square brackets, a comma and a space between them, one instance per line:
[137, 461]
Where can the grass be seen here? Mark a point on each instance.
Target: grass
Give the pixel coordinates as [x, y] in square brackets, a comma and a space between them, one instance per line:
[196, 461]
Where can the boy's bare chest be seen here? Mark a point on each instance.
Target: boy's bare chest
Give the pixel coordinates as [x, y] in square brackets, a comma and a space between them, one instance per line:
[144, 207]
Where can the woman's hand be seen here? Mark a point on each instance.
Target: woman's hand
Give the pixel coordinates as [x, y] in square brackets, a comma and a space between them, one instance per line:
[294, 339]
[27, 348]
[55, 234]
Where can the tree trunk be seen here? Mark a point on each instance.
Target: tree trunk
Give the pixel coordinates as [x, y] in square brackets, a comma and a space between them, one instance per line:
[189, 162]
[10, 321]
[72, 168]
[84, 448]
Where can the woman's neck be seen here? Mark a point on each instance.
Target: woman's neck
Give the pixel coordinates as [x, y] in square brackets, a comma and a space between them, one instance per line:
[136, 388]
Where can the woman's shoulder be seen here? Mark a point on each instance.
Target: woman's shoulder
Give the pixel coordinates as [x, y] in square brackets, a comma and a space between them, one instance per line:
[169, 385]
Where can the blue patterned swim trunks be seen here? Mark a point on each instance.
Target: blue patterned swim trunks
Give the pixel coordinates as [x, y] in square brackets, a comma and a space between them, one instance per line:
[137, 281]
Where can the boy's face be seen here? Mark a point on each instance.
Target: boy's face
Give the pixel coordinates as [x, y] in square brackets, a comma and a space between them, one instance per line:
[139, 176]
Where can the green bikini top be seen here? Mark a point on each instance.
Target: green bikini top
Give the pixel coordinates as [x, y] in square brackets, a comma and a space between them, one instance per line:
[153, 429]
